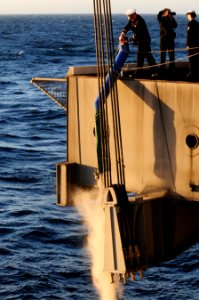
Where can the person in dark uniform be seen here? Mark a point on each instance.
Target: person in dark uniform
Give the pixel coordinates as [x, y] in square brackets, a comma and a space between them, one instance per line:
[193, 44]
[141, 38]
[167, 36]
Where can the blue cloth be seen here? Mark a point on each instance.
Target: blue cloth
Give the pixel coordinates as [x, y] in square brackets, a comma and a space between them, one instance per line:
[114, 72]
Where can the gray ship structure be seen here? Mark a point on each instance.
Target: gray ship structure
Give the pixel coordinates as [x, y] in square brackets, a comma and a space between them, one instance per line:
[138, 139]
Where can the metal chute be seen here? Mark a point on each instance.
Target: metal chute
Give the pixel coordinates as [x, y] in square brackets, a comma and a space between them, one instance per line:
[122, 255]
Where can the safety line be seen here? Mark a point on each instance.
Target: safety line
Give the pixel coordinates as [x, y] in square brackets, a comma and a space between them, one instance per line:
[166, 63]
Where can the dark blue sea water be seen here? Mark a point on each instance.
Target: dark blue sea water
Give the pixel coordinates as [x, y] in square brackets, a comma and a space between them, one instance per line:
[43, 252]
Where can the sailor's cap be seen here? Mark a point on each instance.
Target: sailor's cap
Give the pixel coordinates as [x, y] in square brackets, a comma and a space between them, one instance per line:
[166, 9]
[130, 12]
[191, 12]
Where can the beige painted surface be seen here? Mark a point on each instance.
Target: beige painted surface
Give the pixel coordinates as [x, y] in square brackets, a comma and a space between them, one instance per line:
[156, 117]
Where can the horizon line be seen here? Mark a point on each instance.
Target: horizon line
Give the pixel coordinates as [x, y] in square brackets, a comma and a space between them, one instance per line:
[70, 13]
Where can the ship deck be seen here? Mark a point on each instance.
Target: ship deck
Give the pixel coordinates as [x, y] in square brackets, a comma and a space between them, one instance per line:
[129, 71]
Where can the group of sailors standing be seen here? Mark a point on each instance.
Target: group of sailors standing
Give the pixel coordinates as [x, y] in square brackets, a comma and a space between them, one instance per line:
[168, 24]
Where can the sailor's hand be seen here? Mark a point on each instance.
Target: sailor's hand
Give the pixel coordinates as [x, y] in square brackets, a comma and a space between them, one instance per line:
[122, 39]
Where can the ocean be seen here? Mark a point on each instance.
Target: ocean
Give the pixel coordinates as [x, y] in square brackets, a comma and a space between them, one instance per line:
[43, 247]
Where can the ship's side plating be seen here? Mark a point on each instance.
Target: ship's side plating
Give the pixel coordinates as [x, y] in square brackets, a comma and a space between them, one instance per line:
[160, 135]
[160, 132]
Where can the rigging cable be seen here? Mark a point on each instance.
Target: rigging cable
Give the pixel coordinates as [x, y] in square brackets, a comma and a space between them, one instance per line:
[105, 57]
[101, 74]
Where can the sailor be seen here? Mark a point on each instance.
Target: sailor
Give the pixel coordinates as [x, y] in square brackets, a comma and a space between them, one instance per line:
[167, 36]
[141, 38]
[193, 44]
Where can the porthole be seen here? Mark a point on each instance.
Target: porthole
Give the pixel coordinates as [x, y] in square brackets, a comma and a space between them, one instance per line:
[192, 141]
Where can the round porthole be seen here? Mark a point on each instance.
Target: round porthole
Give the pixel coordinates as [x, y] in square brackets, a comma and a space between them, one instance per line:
[192, 141]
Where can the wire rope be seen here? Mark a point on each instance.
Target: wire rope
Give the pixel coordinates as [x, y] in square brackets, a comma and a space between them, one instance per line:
[105, 54]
